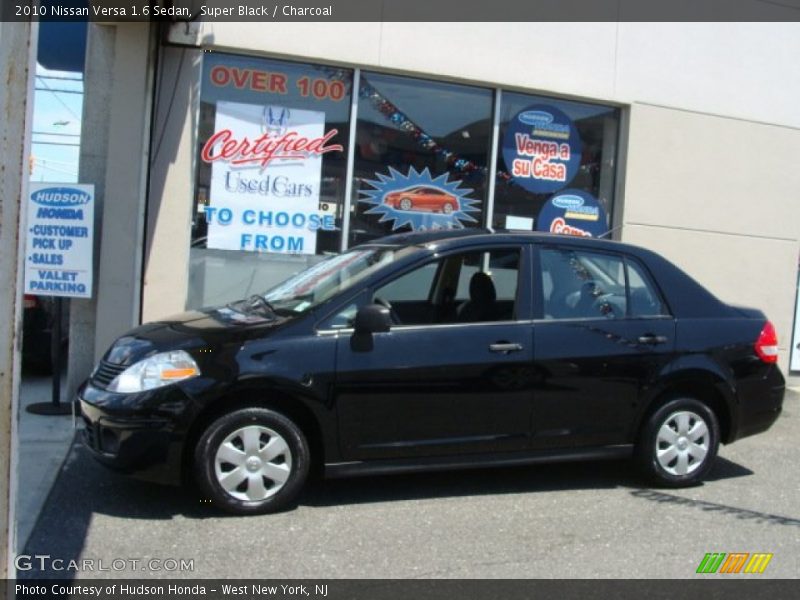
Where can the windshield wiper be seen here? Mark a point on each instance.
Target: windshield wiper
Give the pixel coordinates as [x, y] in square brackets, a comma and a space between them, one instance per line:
[254, 303]
[257, 300]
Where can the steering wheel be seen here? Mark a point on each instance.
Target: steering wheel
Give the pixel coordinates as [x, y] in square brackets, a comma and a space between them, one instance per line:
[386, 304]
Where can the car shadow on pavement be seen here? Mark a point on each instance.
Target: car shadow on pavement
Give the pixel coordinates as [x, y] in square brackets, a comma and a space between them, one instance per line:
[727, 469]
[586, 475]
[662, 497]
[85, 489]
[471, 482]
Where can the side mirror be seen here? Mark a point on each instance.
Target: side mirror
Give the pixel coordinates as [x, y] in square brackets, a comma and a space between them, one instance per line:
[372, 318]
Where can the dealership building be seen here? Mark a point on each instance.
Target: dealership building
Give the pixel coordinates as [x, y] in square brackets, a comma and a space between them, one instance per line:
[226, 156]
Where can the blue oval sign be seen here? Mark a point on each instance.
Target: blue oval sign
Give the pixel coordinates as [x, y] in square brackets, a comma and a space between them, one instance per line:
[60, 196]
[573, 212]
[533, 117]
[568, 201]
[542, 149]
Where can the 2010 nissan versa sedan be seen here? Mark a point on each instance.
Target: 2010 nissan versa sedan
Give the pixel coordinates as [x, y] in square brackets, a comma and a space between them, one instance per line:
[438, 350]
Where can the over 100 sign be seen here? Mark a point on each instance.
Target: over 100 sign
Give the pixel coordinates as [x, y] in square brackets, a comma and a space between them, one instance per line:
[59, 240]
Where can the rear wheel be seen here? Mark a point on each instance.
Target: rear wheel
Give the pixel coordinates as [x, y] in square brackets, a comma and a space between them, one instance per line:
[251, 461]
[678, 443]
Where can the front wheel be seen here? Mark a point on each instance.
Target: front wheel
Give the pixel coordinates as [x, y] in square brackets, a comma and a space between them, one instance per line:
[252, 461]
[678, 443]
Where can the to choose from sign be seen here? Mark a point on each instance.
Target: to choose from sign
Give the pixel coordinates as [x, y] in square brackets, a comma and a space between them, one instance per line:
[266, 169]
[59, 240]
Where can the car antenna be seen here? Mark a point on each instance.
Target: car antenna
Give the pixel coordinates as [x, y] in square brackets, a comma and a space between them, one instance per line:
[610, 231]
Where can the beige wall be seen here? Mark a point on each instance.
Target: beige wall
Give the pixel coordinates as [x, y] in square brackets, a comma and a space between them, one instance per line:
[114, 156]
[734, 69]
[721, 198]
[166, 262]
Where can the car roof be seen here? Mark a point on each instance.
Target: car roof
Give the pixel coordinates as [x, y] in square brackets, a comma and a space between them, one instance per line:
[455, 238]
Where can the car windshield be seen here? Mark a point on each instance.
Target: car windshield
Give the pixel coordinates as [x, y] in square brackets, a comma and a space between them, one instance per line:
[307, 289]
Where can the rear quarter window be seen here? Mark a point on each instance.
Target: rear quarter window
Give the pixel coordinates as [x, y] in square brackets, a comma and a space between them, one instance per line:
[643, 297]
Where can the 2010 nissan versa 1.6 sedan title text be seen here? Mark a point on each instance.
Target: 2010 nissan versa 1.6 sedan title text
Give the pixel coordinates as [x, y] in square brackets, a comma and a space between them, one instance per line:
[438, 350]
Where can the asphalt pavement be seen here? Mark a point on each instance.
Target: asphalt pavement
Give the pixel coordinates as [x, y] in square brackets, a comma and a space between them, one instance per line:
[591, 519]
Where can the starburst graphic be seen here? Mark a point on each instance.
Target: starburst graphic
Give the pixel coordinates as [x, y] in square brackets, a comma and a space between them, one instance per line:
[419, 200]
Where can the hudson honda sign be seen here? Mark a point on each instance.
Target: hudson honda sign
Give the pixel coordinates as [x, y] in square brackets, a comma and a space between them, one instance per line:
[58, 244]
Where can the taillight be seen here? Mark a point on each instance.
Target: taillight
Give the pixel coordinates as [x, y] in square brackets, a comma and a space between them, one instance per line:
[767, 344]
[29, 301]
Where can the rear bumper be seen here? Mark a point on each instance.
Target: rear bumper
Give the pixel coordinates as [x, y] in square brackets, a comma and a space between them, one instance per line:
[760, 404]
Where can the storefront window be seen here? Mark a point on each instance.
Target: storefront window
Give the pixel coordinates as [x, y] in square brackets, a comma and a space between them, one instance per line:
[555, 165]
[271, 162]
[421, 156]
[272, 155]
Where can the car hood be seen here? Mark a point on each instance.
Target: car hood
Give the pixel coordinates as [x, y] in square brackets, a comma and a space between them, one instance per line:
[198, 330]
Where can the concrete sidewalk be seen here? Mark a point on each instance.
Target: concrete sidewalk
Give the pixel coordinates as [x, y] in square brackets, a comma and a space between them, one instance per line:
[44, 442]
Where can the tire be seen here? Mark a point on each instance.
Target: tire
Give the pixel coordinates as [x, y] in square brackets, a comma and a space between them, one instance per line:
[447, 209]
[238, 447]
[678, 444]
[406, 204]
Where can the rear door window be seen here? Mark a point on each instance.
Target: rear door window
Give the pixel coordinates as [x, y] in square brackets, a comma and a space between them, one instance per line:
[583, 285]
[580, 284]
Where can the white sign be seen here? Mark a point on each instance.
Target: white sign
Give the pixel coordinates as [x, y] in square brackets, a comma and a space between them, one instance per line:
[794, 362]
[266, 172]
[59, 240]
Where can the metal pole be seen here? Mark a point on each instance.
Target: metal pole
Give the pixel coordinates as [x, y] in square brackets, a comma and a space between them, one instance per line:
[55, 354]
[351, 152]
[492, 172]
[54, 407]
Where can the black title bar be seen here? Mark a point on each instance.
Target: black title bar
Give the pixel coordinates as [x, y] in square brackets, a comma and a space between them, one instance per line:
[270, 11]
[729, 588]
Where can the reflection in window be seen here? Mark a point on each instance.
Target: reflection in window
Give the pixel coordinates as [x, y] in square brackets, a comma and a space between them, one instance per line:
[425, 147]
[644, 299]
[256, 221]
[515, 207]
[582, 285]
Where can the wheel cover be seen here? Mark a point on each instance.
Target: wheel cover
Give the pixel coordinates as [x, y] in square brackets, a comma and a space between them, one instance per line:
[253, 463]
[682, 443]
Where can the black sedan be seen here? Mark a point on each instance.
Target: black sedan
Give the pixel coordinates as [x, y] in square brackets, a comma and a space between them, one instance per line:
[438, 350]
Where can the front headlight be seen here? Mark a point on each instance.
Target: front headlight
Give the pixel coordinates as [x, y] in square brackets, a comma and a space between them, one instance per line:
[154, 372]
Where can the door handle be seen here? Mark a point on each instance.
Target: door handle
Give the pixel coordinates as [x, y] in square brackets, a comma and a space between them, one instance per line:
[505, 347]
[652, 340]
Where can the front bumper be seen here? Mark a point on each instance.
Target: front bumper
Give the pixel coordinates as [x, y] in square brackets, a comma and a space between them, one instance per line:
[124, 434]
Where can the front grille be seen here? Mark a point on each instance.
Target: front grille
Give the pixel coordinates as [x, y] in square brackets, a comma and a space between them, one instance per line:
[106, 372]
